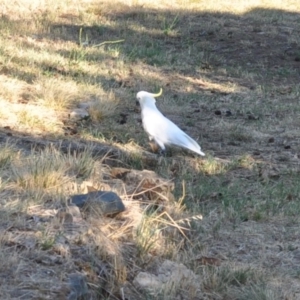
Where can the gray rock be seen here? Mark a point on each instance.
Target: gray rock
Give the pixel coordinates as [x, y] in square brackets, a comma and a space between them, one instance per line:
[108, 202]
[79, 114]
[74, 211]
[171, 279]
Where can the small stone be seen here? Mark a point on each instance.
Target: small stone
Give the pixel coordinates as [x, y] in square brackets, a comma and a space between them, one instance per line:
[74, 211]
[228, 113]
[287, 147]
[171, 278]
[218, 112]
[233, 143]
[64, 217]
[109, 202]
[149, 282]
[123, 119]
[271, 140]
[79, 114]
[241, 251]
[252, 117]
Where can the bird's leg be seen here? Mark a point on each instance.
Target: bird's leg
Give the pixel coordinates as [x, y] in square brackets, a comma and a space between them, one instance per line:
[162, 147]
[162, 152]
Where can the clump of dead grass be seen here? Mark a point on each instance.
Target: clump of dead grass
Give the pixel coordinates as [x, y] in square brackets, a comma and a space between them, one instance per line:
[50, 170]
[102, 105]
[61, 94]
[11, 89]
[235, 283]
[56, 93]
[7, 155]
[212, 166]
[37, 120]
[37, 173]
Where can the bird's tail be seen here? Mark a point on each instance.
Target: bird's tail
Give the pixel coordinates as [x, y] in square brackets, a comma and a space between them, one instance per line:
[193, 145]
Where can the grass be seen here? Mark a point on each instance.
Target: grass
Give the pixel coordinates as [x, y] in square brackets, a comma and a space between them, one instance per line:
[230, 76]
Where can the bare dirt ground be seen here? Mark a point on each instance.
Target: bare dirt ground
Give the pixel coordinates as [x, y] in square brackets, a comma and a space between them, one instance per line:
[230, 77]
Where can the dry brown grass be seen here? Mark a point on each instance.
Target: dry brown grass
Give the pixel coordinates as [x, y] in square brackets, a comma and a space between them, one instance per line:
[230, 75]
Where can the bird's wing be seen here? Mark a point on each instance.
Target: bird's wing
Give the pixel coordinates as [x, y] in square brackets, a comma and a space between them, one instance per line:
[170, 133]
[164, 131]
[154, 123]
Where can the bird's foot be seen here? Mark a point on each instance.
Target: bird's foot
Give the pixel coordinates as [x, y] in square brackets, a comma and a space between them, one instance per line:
[162, 152]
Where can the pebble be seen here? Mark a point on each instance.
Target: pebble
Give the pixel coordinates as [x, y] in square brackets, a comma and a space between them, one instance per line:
[79, 114]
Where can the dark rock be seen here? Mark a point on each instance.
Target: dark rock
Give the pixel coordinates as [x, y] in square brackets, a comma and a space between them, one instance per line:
[109, 202]
[287, 147]
[228, 113]
[271, 140]
[233, 143]
[123, 119]
[252, 117]
[218, 112]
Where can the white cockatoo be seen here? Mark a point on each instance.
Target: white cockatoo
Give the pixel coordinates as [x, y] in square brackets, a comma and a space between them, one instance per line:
[160, 129]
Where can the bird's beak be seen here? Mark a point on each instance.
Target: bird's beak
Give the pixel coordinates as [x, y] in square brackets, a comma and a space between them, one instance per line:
[158, 94]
